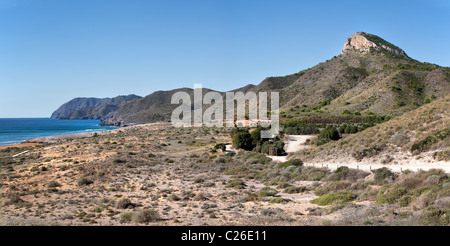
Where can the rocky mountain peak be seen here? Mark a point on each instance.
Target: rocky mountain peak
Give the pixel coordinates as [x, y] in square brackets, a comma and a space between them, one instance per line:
[366, 42]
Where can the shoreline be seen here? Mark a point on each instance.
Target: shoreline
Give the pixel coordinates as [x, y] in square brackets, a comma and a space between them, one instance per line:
[62, 137]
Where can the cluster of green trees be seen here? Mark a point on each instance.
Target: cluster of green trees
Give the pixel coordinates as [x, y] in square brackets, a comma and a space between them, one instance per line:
[328, 134]
[243, 139]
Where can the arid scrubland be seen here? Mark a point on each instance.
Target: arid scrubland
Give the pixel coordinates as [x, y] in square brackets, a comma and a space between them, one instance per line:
[159, 175]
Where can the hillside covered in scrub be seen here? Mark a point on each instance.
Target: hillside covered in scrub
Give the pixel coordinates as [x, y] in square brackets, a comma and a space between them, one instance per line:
[420, 135]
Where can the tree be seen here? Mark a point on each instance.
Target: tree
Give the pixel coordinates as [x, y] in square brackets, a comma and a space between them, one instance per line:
[242, 140]
[327, 134]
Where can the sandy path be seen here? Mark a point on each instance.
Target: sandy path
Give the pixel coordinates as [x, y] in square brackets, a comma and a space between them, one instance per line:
[393, 167]
[292, 144]
[295, 143]
[229, 149]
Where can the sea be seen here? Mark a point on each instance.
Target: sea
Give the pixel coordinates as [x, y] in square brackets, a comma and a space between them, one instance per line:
[16, 130]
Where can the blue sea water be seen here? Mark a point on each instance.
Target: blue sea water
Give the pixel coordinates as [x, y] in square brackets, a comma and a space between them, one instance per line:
[13, 131]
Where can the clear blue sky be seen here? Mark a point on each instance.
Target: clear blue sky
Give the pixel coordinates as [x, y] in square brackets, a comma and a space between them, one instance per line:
[54, 50]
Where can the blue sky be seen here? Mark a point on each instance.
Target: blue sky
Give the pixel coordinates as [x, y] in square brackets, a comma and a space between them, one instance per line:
[52, 51]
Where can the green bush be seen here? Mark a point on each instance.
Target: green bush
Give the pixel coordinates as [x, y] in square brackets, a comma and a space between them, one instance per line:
[242, 140]
[265, 147]
[345, 173]
[382, 174]
[266, 191]
[313, 174]
[295, 189]
[292, 162]
[424, 144]
[443, 134]
[332, 187]
[432, 216]
[327, 134]
[342, 197]
[278, 200]
[391, 195]
[236, 184]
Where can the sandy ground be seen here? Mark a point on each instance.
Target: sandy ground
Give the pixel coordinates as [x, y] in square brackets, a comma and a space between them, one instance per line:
[172, 171]
[150, 182]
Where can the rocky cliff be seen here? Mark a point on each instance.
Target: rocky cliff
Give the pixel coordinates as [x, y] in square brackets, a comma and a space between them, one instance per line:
[91, 108]
[366, 42]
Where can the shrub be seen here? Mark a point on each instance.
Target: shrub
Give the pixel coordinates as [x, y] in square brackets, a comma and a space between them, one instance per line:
[346, 111]
[294, 189]
[391, 195]
[424, 144]
[237, 184]
[266, 191]
[15, 199]
[119, 161]
[383, 174]
[84, 181]
[145, 216]
[277, 146]
[443, 134]
[242, 140]
[313, 174]
[327, 134]
[292, 162]
[199, 180]
[345, 173]
[173, 197]
[53, 184]
[368, 152]
[124, 203]
[332, 187]
[126, 216]
[435, 216]
[278, 200]
[342, 197]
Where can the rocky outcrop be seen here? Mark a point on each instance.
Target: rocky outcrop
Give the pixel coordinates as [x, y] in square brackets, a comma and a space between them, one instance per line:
[366, 42]
[91, 108]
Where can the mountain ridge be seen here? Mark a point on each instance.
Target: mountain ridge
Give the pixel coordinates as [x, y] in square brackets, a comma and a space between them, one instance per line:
[370, 75]
[91, 107]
